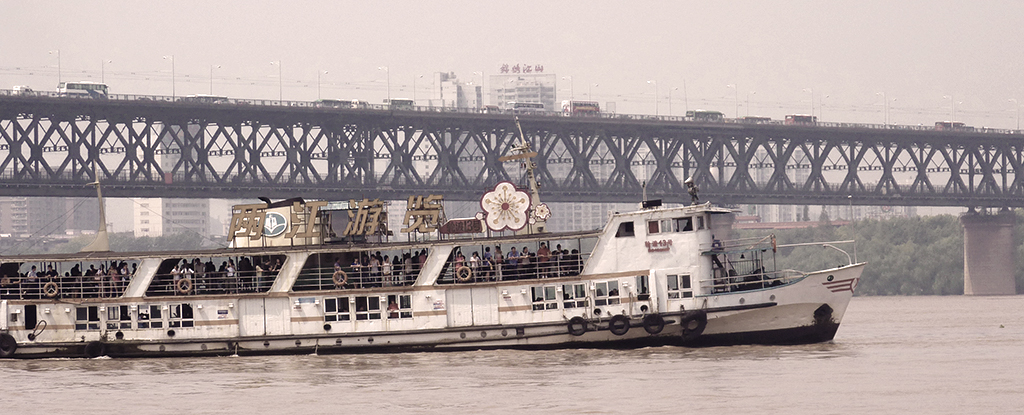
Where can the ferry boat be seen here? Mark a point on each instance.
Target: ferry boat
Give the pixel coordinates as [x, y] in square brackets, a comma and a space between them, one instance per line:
[328, 277]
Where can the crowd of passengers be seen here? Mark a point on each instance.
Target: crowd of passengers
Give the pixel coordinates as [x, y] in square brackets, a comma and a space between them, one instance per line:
[376, 270]
[249, 275]
[514, 265]
[109, 280]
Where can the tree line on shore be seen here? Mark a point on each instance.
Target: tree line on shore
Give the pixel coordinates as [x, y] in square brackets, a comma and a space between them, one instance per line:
[905, 256]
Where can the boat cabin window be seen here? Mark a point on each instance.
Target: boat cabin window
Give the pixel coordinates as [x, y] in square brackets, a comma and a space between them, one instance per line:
[625, 229]
[530, 259]
[181, 316]
[150, 316]
[400, 306]
[203, 276]
[359, 269]
[336, 309]
[679, 286]
[87, 318]
[607, 293]
[544, 298]
[368, 308]
[574, 295]
[659, 226]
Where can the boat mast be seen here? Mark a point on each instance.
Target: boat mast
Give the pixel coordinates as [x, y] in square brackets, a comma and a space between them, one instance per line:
[531, 180]
[102, 242]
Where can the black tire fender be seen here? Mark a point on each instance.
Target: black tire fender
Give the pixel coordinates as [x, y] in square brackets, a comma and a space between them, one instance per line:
[694, 323]
[619, 324]
[7, 345]
[654, 323]
[577, 326]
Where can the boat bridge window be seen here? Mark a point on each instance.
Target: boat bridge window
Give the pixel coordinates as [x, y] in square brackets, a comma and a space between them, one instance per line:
[607, 293]
[544, 298]
[574, 295]
[682, 224]
[368, 308]
[118, 318]
[522, 260]
[203, 276]
[659, 226]
[180, 316]
[87, 318]
[150, 316]
[336, 309]
[625, 229]
[400, 306]
[679, 286]
[359, 269]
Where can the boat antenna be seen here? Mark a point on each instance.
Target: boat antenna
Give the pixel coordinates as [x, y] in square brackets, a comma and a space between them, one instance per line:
[102, 242]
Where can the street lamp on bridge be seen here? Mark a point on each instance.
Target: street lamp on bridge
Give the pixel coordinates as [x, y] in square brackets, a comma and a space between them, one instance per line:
[388, 72]
[171, 58]
[1016, 106]
[736, 97]
[655, 96]
[571, 96]
[749, 93]
[280, 80]
[211, 77]
[102, 70]
[318, 73]
[57, 52]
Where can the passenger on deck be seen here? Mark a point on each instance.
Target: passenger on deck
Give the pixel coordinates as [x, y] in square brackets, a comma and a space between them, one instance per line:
[499, 263]
[474, 264]
[544, 260]
[392, 309]
[487, 263]
[385, 271]
[512, 261]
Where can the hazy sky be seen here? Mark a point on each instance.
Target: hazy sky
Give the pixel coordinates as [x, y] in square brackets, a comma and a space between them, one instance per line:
[844, 53]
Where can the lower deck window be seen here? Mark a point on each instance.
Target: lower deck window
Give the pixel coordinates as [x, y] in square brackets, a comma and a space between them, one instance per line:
[181, 316]
[607, 293]
[87, 318]
[679, 286]
[150, 316]
[400, 306]
[368, 308]
[336, 309]
[544, 298]
[574, 295]
[118, 317]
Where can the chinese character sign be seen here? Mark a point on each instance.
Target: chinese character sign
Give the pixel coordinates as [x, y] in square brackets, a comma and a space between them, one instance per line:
[247, 220]
[367, 219]
[425, 214]
[521, 68]
[304, 218]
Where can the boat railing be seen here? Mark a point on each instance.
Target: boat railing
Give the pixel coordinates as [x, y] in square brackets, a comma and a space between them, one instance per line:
[754, 281]
[459, 271]
[352, 277]
[15, 288]
[211, 283]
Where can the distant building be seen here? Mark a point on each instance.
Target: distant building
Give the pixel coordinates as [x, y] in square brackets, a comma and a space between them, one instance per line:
[43, 216]
[523, 88]
[450, 92]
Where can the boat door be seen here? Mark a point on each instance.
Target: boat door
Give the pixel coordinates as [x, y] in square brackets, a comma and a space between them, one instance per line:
[475, 306]
[263, 316]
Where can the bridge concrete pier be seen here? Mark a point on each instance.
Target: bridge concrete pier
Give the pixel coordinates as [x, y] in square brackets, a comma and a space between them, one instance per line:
[989, 253]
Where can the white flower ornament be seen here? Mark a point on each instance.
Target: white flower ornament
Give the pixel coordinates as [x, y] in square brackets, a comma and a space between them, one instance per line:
[506, 207]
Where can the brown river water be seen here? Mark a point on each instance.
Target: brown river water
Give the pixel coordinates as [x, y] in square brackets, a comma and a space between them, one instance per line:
[892, 355]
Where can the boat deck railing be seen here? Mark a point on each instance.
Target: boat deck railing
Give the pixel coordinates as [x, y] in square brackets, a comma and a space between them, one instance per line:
[460, 271]
[754, 281]
[351, 277]
[211, 283]
[63, 287]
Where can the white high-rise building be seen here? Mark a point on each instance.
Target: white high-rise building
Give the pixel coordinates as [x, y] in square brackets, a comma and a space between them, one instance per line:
[450, 92]
[524, 88]
[160, 216]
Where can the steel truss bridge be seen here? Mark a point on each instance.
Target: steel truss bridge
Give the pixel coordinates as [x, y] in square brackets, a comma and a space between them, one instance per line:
[143, 147]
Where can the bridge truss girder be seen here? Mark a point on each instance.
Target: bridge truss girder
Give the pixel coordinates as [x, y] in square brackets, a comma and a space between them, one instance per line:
[50, 147]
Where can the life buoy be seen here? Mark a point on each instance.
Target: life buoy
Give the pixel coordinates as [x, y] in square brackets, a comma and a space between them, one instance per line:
[463, 274]
[51, 289]
[654, 324]
[340, 278]
[184, 285]
[7, 345]
[95, 349]
[693, 323]
[619, 324]
[577, 326]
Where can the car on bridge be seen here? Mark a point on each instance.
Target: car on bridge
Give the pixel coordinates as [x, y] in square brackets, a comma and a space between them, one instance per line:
[801, 119]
